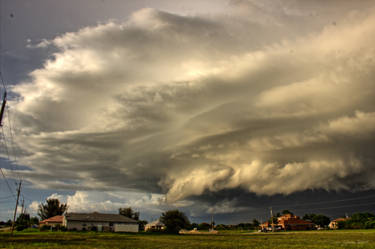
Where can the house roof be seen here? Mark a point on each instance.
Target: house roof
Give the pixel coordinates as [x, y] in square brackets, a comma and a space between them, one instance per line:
[340, 219]
[297, 221]
[54, 219]
[98, 217]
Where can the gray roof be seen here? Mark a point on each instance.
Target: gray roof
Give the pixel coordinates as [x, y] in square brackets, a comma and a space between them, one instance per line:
[98, 217]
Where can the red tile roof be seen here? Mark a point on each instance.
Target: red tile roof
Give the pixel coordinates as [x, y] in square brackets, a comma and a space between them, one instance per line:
[340, 219]
[54, 219]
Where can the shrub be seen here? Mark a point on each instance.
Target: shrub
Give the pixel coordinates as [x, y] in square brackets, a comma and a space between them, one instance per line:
[45, 228]
[30, 230]
[21, 227]
[56, 228]
[204, 226]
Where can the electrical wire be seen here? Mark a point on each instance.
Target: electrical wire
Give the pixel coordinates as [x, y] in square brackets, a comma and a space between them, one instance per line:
[324, 202]
[7, 183]
[12, 143]
[6, 197]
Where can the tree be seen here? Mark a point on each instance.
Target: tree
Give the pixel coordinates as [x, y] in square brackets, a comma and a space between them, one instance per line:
[34, 221]
[318, 219]
[321, 220]
[52, 208]
[23, 222]
[8, 223]
[273, 220]
[286, 212]
[256, 223]
[174, 221]
[308, 217]
[142, 224]
[128, 212]
[204, 226]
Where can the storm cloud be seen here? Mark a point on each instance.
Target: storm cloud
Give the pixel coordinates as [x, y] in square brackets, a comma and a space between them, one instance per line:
[269, 98]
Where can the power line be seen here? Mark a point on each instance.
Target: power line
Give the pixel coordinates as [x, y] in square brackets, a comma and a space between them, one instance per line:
[356, 205]
[6, 197]
[7, 183]
[7, 151]
[324, 202]
[14, 147]
[265, 212]
[5, 143]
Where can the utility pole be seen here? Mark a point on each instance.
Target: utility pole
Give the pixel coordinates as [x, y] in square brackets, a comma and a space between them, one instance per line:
[3, 108]
[272, 225]
[23, 206]
[15, 210]
[212, 222]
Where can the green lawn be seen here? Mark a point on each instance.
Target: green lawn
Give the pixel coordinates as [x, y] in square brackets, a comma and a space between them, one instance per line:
[305, 240]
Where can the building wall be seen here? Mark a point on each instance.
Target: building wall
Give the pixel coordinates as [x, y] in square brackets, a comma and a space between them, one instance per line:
[79, 225]
[52, 224]
[333, 225]
[102, 226]
[155, 228]
[134, 228]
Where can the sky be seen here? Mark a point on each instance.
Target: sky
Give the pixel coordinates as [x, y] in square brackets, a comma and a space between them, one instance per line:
[223, 107]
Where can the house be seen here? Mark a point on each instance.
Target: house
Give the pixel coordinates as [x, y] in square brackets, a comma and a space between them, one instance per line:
[335, 223]
[155, 226]
[266, 226]
[292, 222]
[288, 222]
[195, 231]
[99, 222]
[53, 221]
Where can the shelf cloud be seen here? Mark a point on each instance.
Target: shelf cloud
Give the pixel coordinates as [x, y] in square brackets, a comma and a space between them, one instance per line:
[272, 98]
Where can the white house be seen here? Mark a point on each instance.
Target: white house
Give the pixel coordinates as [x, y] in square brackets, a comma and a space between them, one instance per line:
[99, 222]
[335, 223]
[155, 226]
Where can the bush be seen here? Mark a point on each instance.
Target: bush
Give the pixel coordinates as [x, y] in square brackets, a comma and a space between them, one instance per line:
[358, 221]
[30, 230]
[56, 228]
[93, 229]
[45, 228]
[221, 227]
[21, 227]
[204, 226]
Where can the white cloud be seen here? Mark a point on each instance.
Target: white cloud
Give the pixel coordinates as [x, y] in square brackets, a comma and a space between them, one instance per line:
[33, 207]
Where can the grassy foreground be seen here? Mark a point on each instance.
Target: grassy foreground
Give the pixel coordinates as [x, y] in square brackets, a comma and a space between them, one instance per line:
[313, 239]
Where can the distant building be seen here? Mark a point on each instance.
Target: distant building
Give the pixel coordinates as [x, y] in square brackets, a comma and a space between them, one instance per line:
[266, 226]
[99, 222]
[53, 221]
[288, 222]
[335, 223]
[292, 222]
[155, 226]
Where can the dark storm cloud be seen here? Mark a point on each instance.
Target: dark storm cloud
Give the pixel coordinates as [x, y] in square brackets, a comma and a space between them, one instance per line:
[190, 105]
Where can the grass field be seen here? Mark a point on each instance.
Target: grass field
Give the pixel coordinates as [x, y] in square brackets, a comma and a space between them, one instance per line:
[305, 240]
